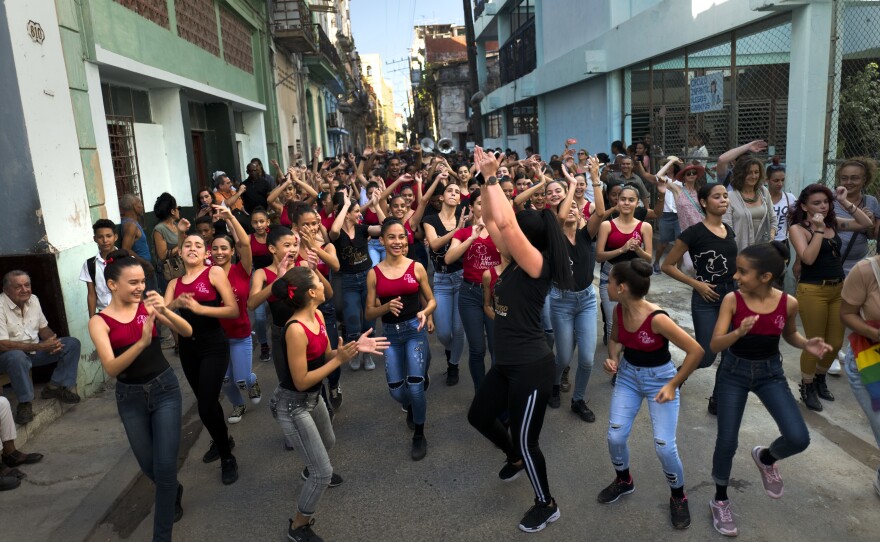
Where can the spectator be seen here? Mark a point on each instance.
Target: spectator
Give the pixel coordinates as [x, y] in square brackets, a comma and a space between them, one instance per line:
[98, 295]
[10, 476]
[167, 238]
[750, 211]
[626, 175]
[26, 340]
[260, 172]
[134, 239]
[224, 193]
[257, 190]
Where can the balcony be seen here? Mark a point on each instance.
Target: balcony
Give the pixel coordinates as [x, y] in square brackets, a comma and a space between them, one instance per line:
[292, 26]
[324, 63]
[517, 56]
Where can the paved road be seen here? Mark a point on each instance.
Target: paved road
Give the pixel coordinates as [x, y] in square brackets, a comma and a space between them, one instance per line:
[454, 493]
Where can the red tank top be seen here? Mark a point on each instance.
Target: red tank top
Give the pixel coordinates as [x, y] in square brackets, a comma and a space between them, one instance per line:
[284, 218]
[258, 248]
[617, 238]
[406, 287]
[326, 220]
[643, 347]
[240, 327]
[317, 341]
[126, 334]
[493, 278]
[767, 324]
[270, 278]
[587, 211]
[323, 268]
[201, 288]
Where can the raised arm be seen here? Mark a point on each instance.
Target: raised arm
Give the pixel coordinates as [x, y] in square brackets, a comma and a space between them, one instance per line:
[728, 157]
[336, 227]
[242, 240]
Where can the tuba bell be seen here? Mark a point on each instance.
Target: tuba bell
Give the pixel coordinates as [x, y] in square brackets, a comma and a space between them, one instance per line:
[427, 145]
[445, 146]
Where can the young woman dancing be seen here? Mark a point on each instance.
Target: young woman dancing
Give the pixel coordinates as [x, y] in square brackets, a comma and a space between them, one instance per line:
[748, 329]
[147, 391]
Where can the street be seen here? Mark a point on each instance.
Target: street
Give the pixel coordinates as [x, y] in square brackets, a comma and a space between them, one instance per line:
[455, 491]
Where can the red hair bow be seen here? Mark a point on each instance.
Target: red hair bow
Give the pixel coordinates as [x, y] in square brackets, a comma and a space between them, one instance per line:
[108, 261]
[291, 290]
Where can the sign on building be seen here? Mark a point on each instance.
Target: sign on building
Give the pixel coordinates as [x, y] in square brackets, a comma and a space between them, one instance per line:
[707, 93]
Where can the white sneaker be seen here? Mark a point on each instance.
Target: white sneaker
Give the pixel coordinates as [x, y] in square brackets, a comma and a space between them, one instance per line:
[834, 370]
[369, 364]
[237, 413]
[355, 363]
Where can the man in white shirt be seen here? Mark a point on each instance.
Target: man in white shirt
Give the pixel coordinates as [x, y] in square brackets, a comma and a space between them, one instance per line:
[26, 341]
[98, 295]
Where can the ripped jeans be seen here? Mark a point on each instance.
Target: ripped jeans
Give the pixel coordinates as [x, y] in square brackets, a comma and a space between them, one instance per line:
[406, 366]
[633, 385]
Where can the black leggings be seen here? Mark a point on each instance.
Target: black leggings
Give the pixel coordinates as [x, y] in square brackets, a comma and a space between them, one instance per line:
[522, 391]
[205, 359]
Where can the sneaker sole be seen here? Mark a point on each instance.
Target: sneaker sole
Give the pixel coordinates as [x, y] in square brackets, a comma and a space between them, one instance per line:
[233, 420]
[758, 464]
[556, 515]
[514, 477]
[617, 497]
[256, 400]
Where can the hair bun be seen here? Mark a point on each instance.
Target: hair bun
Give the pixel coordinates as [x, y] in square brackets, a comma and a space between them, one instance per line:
[642, 267]
[781, 248]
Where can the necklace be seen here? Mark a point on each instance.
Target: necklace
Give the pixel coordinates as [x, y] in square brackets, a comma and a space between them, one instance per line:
[749, 200]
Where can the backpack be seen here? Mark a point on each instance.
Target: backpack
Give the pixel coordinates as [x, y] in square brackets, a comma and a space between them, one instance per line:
[90, 264]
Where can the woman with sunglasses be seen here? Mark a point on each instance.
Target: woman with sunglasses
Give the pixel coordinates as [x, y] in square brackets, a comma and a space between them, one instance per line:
[855, 174]
[813, 233]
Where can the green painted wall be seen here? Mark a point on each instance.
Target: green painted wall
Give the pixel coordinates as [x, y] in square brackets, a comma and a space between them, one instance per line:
[122, 31]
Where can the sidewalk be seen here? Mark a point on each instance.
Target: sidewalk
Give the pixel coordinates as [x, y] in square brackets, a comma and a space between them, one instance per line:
[88, 465]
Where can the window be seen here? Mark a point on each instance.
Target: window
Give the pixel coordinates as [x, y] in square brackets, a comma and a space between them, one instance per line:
[123, 154]
[127, 102]
[493, 125]
[521, 15]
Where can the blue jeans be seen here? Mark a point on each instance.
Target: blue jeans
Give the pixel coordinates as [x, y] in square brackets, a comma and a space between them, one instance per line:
[704, 315]
[405, 365]
[736, 378]
[354, 298]
[633, 385]
[447, 319]
[547, 322]
[858, 389]
[376, 250]
[151, 415]
[328, 309]
[239, 375]
[304, 420]
[259, 318]
[477, 327]
[574, 323]
[17, 364]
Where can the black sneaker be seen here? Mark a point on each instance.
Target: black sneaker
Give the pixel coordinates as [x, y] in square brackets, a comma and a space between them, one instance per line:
[419, 448]
[213, 454]
[229, 470]
[303, 534]
[265, 353]
[539, 516]
[555, 400]
[336, 397]
[178, 504]
[678, 511]
[616, 490]
[335, 479]
[713, 406]
[510, 472]
[451, 374]
[581, 409]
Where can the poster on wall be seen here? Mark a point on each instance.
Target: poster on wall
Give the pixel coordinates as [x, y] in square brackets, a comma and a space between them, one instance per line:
[707, 93]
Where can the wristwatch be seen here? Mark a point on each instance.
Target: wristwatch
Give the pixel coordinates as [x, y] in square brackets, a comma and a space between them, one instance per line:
[492, 180]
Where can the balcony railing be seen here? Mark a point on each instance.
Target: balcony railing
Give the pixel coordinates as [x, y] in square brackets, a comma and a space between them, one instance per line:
[326, 48]
[517, 55]
[479, 6]
[292, 25]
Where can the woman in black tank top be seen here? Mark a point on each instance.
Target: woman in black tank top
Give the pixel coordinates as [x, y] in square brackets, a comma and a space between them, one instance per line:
[521, 380]
[147, 391]
[813, 234]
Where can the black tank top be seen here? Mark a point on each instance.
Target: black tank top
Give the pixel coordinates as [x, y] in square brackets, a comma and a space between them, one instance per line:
[828, 264]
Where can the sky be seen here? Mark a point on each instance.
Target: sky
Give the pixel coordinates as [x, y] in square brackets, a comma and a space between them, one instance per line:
[386, 27]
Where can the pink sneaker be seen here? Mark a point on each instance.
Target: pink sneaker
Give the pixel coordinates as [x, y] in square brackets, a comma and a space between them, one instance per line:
[722, 518]
[769, 474]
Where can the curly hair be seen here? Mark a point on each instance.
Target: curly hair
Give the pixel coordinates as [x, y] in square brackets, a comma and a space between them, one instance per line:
[741, 170]
[797, 215]
[868, 165]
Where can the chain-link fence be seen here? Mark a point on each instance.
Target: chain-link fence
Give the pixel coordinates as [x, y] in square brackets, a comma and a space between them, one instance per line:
[716, 95]
[854, 100]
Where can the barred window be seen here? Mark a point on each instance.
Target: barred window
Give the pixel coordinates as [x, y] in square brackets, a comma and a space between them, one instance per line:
[237, 46]
[152, 10]
[197, 24]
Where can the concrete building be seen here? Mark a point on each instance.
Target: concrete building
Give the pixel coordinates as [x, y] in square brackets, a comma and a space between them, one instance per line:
[110, 97]
[371, 71]
[620, 70]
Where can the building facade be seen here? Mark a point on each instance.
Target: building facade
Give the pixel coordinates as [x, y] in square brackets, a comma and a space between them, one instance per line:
[731, 71]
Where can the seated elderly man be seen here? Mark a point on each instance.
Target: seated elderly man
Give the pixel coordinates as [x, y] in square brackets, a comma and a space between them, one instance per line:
[26, 341]
[10, 476]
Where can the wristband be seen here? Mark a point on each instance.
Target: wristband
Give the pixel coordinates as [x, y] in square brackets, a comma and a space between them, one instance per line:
[817, 231]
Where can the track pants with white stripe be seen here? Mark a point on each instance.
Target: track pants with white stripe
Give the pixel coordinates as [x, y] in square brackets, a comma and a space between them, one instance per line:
[522, 391]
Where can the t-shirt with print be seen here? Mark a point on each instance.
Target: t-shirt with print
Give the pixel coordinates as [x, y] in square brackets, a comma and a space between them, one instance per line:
[518, 302]
[780, 208]
[714, 258]
[353, 254]
[481, 255]
[860, 245]
[860, 289]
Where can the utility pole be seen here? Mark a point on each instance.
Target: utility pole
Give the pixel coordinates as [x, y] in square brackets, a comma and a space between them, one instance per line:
[476, 118]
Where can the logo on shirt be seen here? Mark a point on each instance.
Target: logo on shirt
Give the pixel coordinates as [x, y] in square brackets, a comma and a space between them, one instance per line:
[645, 338]
[409, 279]
[779, 322]
[481, 257]
[500, 310]
[710, 265]
[202, 288]
[141, 318]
